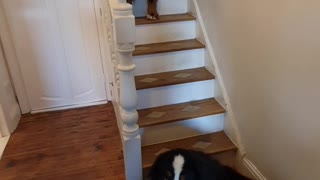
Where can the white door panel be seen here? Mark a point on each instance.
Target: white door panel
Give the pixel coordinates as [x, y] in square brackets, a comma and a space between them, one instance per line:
[57, 44]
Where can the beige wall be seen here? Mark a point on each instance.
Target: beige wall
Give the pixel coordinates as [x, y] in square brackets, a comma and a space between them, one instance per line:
[269, 56]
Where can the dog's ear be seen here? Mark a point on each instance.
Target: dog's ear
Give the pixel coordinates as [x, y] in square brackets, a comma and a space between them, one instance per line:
[161, 167]
[153, 173]
[156, 169]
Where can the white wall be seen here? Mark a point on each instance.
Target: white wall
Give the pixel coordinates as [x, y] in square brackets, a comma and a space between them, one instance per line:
[269, 55]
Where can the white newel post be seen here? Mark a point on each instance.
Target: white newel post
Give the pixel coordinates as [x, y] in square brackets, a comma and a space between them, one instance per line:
[124, 24]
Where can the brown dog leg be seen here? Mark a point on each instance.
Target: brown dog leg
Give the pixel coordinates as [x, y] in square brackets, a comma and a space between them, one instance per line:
[152, 10]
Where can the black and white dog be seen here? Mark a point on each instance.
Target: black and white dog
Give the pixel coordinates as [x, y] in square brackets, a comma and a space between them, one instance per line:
[182, 164]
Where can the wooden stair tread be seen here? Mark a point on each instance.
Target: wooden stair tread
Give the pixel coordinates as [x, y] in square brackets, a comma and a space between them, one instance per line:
[220, 143]
[166, 19]
[179, 112]
[170, 78]
[163, 47]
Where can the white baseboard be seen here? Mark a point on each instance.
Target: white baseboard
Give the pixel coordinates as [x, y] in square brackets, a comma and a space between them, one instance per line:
[253, 169]
[70, 107]
[3, 144]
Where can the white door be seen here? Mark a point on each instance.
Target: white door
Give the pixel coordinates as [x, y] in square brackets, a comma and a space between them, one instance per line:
[57, 44]
[9, 108]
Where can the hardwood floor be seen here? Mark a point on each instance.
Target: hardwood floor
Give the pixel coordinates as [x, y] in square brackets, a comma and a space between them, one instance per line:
[80, 144]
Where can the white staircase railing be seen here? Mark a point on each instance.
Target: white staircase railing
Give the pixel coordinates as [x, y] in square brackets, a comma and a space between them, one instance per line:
[120, 26]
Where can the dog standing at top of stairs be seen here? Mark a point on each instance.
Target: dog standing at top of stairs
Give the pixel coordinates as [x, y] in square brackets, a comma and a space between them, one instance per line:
[152, 9]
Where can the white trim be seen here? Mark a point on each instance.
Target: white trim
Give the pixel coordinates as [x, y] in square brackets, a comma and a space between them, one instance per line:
[116, 107]
[253, 169]
[70, 107]
[4, 129]
[104, 49]
[12, 61]
[219, 79]
[3, 143]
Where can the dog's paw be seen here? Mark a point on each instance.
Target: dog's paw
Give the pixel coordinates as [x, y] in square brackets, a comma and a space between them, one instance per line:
[152, 10]
[152, 13]
[152, 17]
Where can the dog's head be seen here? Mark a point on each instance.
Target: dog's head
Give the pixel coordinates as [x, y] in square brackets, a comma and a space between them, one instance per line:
[182, 164]
[173, 165]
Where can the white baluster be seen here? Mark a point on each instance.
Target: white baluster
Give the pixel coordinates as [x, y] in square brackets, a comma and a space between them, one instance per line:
[124, 28]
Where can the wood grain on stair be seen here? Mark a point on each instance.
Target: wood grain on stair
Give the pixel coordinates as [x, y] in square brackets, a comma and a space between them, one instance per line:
[177, 112]
[166, 19]
[220, 143]
[164, 47]
[173, 78]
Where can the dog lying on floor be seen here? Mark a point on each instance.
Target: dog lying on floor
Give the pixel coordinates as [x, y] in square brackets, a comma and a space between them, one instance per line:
[152, 9]
[182, 164]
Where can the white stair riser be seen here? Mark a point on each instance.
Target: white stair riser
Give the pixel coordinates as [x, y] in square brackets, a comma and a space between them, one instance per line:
[175, 94]
[164, 7]
[182, 129]
[164, 32]
[172, 61]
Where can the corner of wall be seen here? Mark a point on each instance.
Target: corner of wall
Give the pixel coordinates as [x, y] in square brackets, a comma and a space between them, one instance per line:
[3, 144]
[253, 169]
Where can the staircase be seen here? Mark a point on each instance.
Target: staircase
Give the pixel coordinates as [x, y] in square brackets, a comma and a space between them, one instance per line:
[163, 71]
[176, 92]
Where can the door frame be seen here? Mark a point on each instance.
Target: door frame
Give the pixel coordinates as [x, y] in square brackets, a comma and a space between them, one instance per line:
[15, 72]
[10, 113]
[12, 61]
[104, 46]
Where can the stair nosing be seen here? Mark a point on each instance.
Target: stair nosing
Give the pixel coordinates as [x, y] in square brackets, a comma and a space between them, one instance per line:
[199, 46]
[152, 22]
[165, 85]
[218, 110]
